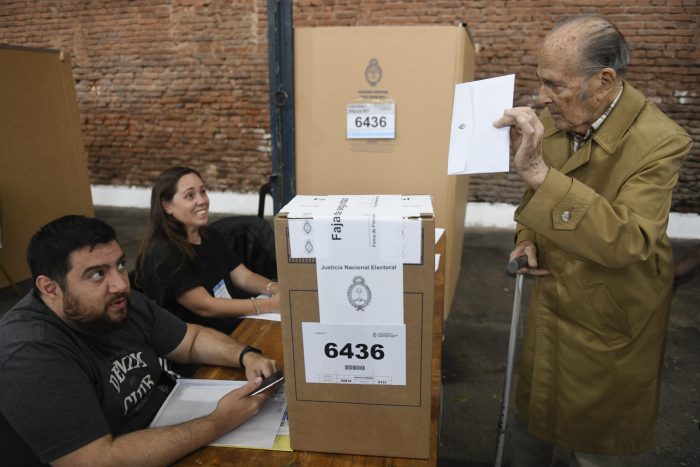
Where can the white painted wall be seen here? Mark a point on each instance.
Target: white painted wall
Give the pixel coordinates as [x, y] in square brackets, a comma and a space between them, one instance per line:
[482, 215]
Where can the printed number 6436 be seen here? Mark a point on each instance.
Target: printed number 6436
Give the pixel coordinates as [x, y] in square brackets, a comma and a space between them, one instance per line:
[360, 352]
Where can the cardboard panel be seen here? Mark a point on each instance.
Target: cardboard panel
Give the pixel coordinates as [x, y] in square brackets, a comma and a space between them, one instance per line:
[358, 419]
[43, 165]
[420, 66]
[304, 305]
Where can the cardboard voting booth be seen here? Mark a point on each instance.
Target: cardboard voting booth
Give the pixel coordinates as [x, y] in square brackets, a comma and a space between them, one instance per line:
[356, 276]
[43, 165]
[373, 109]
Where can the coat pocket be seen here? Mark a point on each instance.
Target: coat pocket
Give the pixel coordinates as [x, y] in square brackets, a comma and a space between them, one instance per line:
[613, 325]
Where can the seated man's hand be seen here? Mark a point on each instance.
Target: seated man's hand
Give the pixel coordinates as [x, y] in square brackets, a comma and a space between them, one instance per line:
[258, 366]
[238, 405]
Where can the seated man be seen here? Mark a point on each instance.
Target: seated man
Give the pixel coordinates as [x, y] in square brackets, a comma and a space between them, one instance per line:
[79, 360]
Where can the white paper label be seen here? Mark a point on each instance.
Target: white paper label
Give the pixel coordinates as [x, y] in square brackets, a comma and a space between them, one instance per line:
[359, 266]
[305, 206]
[220, 290]
[371, 120]
[354, 354]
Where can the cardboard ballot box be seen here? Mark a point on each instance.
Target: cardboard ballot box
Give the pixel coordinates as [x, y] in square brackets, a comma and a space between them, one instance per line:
[375, 396]
[373, 109]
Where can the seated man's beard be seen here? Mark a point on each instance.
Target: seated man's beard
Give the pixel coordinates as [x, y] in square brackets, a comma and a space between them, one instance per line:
[92, 321]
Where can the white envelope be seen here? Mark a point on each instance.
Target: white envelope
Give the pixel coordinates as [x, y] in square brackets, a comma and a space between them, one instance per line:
[476, 146]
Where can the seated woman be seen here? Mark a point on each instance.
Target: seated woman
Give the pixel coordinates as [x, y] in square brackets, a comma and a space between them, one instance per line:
[187, 267]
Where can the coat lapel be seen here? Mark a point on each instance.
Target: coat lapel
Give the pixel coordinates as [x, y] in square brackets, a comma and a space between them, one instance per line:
[578, 158]
[608, 136]
[560, 156]
[620, 120]
[557, 141]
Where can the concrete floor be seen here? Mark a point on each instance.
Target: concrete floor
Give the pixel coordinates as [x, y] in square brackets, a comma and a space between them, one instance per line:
[475, 346]
[474, 358]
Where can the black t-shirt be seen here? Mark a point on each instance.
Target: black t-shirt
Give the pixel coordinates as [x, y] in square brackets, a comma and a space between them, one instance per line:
[167, 274]
[62, 389]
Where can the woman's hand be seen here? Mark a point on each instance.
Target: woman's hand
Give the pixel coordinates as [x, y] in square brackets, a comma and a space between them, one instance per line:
[269, 305]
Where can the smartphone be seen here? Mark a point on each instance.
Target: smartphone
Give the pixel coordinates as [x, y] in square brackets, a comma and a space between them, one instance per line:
[271, 382]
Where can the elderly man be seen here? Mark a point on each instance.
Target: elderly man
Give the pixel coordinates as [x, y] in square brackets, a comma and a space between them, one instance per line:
[79, 361]
[600, 163]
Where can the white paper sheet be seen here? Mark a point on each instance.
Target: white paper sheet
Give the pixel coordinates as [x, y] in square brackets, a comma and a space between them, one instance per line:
[439, 231]
[302, 241]
[354, 354]
[271, 316]
[304, 212]
[476, 146]
[415, 205]
[412, 241]
[194, 398]
[371, 120]
[305, 206]
[359, 268]
[264, 316]
[284, 426]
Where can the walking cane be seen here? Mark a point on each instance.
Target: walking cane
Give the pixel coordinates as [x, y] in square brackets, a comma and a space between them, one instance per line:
[513, 266]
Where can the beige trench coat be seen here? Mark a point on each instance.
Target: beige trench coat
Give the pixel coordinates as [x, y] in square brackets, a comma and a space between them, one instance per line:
[590, 372]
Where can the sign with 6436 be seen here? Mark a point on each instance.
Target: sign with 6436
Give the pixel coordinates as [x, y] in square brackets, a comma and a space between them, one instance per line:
[355, 353]
[371, 120]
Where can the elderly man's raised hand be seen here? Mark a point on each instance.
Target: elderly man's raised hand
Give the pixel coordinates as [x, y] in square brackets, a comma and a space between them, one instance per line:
[526, 141]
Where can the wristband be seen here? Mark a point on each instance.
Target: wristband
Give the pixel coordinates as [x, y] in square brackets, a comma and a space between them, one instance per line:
[255, 305]
[245, 350]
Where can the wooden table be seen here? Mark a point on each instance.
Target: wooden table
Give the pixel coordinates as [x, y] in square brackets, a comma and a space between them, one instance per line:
[267, 336]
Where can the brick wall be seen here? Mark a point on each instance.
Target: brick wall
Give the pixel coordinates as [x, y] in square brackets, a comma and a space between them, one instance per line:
[185, 81]
[161, 83]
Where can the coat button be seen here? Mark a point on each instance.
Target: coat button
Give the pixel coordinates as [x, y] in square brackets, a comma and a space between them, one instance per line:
[566, 216]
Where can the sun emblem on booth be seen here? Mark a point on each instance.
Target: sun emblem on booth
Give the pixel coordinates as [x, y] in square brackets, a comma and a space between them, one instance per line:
[359, 294]
[373, 72]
